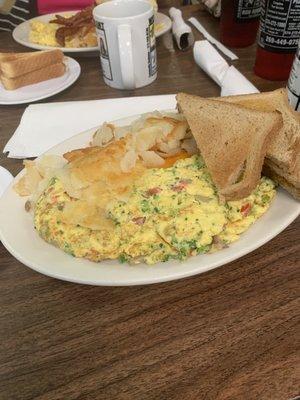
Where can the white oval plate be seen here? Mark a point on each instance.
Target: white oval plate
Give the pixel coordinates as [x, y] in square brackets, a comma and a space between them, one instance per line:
[21, 240]
[42, 90]
[5, 179]
[21, 33]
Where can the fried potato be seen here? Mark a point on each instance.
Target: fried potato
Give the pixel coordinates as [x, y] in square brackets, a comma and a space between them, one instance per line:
[170, 153]
[179, 131]
[104, 135]
[30, 181]
[190, 146]
[152, 159]
[128, 161]
[37, 171]
[97, 175]
[78, 153]
[155, 132]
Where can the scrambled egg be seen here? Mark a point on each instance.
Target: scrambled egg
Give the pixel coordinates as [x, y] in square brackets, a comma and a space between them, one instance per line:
[43, 33]
[171, 213]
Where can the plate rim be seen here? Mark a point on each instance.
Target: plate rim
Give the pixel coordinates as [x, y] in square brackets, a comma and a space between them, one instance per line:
[140, 282]
[167, 27]
[72, 78]
[144, 281]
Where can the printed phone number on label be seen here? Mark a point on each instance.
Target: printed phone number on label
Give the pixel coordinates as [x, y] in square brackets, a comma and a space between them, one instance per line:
[281, 42]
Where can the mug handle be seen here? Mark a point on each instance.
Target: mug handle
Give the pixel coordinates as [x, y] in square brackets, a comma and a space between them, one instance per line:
[126, 58]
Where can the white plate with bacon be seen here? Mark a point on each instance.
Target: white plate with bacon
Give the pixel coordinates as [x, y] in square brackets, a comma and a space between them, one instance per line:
[40, 34]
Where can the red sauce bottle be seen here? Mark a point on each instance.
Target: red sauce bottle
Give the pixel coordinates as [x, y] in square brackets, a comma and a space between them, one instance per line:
[278, 39]
[239, 22]
[293, 85]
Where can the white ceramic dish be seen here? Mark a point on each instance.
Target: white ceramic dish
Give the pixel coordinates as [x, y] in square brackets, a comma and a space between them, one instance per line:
[42, 90]
[5, 179]
[19, 237]
[21, 33]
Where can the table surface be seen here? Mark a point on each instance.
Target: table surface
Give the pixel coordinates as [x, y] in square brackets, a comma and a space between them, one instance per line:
[227, 334]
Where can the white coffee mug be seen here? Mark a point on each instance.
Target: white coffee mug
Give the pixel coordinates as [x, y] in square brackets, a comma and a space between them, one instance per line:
[125, 30]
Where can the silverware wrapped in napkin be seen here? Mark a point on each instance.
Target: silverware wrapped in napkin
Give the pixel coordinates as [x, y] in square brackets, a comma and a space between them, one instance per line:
[230, 80]
[181, 31]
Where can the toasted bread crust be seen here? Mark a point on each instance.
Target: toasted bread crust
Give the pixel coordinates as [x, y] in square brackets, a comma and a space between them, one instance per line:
[254, 165]
[294, 191]
[284, 146]
[29, 62]
[293, 179]
[43, 74]
[228, 135]
[13, 56]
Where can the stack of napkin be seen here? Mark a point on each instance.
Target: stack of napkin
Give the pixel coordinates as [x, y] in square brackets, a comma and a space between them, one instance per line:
[43, 126]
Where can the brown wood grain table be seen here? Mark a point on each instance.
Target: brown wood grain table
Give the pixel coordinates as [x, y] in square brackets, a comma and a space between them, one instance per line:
[229, 334]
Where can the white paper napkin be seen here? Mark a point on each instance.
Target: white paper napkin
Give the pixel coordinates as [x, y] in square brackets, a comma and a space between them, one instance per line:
[231, 81]
[43, 126]
[5, 179]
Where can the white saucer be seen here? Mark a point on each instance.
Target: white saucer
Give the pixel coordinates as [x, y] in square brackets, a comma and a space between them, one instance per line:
[164, 23]
[42, 90]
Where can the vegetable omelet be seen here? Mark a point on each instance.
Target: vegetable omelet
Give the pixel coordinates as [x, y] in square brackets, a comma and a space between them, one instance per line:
[171, 213]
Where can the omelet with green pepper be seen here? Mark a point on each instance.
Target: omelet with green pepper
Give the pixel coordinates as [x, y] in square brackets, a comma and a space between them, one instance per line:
[170, 213]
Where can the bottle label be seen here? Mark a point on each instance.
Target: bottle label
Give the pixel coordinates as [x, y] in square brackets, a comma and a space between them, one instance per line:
[247, 10]
[279, 25]
[293, 85]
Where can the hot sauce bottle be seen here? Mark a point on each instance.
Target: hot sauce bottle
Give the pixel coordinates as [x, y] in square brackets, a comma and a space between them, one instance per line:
[293, 85]
[239, 22]
[279, 33]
